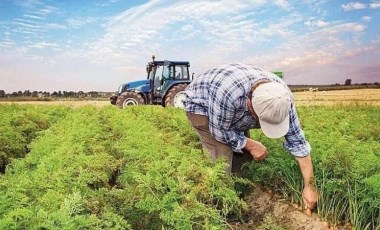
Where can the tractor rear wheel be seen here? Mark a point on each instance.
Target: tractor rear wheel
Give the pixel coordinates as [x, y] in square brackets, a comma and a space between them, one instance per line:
[176, 96]
[129, 98]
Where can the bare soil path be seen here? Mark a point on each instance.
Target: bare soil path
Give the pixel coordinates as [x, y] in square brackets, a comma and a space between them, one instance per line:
[267, 211]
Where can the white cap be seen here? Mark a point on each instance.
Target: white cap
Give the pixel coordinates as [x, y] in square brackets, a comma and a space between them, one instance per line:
[272, 102]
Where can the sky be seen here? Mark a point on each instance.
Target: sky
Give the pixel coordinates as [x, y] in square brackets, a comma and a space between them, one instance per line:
[95, 45]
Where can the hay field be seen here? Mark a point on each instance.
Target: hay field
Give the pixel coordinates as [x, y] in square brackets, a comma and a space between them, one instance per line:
[339, 97]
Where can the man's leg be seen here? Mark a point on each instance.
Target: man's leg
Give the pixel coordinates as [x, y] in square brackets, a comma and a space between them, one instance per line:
[215, 148]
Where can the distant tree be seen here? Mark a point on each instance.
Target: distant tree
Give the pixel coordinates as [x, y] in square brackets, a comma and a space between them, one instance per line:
[14, 94]
[19, 93]
[27, 93]
[34, 94]
[71, 94]
[93, 94]
[348, 82]
[81, 94]
[2, 93]
[54, 94]
[376, 83]
[59, 94]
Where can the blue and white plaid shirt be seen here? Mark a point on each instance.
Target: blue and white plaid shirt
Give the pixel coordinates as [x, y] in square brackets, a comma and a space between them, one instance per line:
[222, 94]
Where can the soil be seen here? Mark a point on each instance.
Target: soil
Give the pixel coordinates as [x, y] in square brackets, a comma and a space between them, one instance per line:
[268, 211]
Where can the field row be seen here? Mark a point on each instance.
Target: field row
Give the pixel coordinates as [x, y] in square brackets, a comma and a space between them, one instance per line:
[142, 168]
[115, 169]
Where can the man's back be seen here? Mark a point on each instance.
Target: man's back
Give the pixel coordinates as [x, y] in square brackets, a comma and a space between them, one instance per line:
[228, 83]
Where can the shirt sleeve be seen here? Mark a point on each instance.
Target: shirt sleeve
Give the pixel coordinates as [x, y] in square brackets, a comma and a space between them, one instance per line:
[221, 114]
[296, 143]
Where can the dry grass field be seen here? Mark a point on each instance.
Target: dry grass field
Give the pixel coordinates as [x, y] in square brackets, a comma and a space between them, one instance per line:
[339, 97]
[334, 97]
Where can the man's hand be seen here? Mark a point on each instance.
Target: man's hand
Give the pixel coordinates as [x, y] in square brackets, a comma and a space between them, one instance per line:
[310, 196]
[256, 149]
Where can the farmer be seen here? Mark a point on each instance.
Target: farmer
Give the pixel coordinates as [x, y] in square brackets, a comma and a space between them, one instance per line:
[225, 102]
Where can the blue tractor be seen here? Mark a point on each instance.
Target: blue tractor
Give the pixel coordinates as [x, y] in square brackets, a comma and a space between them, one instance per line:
[165, 85]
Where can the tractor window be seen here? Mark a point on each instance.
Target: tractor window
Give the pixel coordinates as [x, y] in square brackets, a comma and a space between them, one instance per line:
[168, 72]
[157, 77]
[150, 73]
[181, 72]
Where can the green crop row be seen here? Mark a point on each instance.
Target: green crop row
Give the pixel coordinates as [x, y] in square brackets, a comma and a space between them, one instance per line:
[346, 155]
[142, 168]
[117, 169]
[19, 125]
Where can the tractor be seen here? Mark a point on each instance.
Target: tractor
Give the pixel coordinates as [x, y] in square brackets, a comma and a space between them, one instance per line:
[165, 85]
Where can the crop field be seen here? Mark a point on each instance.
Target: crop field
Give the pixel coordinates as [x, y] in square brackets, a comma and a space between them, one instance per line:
[99, 167]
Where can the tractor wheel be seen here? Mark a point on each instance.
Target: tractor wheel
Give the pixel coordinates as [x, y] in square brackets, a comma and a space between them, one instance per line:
[129, 98]
[175, 96]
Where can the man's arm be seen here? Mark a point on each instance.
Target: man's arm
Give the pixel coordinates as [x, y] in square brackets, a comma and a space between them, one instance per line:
[297, 145]
[309, 194]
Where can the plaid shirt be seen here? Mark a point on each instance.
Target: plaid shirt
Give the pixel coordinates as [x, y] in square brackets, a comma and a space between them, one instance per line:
[222, 94]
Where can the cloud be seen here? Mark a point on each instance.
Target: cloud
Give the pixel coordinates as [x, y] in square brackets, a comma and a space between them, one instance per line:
[282, 3]
[7, 44]
[41, 45]
[345, 27]
[152, 27]
[374, 5]
[46, 10]
[27, 25]
[361, 51]
[28, 4]
[33, 16]
[353, 6]
[367, 18]
[312, 22]
[77, 22]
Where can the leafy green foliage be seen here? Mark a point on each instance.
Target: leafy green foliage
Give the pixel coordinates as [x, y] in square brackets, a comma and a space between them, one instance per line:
[119, 169]
[19, 125]
[142, 168]
[345, 150]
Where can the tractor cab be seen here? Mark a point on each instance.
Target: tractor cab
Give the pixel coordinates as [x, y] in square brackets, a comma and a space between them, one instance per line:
[165, 74]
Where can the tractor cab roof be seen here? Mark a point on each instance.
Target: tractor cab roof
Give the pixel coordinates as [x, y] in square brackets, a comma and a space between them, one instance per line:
[161, 63]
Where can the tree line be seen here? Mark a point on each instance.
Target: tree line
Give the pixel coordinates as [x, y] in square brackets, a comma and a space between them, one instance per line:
[63, 94]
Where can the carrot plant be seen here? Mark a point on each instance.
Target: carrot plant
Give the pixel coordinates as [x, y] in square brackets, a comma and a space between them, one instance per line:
[54, 186]
[142, 168]
[19, 125]
[173, 184]
[105, 168]
[345, 149]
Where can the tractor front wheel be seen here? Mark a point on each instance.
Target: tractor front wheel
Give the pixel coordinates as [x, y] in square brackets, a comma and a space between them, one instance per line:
[129, 98]
[175, 96]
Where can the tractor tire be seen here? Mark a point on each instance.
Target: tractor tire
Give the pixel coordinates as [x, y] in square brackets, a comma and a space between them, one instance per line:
[175, 96]
[128, 99]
